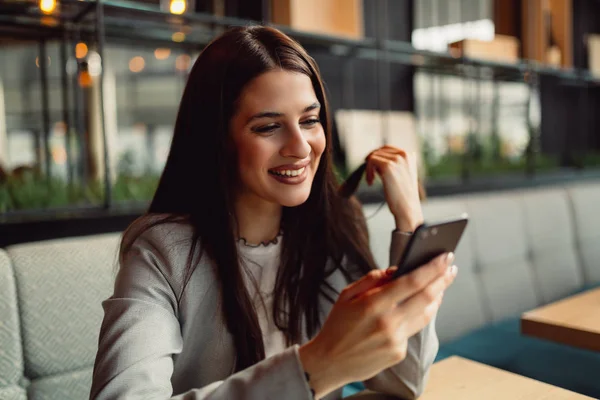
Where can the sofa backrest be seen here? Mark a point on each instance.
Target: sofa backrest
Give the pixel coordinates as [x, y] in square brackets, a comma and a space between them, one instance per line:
[585, 201]
[550, 232]
[11, 354]
[60, 285]
[521, 249]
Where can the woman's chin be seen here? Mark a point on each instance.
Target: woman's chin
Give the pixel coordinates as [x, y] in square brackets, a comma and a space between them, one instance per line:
[292, 199]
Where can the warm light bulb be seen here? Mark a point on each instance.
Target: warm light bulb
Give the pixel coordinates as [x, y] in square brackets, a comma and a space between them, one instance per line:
[182, 62]
[162, 54]
[178, 37]
[136, 64]
[85, 80]
[47, 6]
[177, 7]
[81, 50]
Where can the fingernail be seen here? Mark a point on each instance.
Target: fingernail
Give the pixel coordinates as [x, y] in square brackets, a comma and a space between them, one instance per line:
[449, 258]
[391, 270]
[452, 270]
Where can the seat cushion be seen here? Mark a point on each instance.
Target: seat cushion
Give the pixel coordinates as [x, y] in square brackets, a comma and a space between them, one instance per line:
[564, 366]
[489, 345]
[502, 345]
[71, 385]
[61, 285]
[550, 233]
[585, 199]
[502, 254]
[11, 360]
[13, 393]
[442, 354]
[352, 389]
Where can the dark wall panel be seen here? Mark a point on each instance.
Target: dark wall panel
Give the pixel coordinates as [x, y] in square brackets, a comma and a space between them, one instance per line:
[586, 19]
[570, 119]
[399, 15]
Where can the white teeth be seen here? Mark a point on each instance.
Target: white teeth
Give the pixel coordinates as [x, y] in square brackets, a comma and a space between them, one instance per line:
[289, 172]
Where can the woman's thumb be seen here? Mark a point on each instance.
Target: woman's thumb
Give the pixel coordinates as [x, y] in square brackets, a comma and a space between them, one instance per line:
[376, 277]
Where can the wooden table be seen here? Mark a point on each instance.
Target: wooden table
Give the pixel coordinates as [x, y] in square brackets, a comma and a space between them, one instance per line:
[574, 321]
[459, 378]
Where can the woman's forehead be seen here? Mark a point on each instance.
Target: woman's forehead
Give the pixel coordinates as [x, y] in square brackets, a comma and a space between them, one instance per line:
[279, 91]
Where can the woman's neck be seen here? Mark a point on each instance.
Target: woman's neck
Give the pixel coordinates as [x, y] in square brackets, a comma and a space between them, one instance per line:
[258, 221]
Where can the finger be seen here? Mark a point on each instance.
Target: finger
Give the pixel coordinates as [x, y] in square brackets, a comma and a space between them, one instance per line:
[370, 172]
[432, 293]
[390, 153]
[369, 169]
[408, 285]
[375, 165]
[418, 311]
[394, 150]
[371, 280]
[396, 158]
[381, 164]
[409, 156]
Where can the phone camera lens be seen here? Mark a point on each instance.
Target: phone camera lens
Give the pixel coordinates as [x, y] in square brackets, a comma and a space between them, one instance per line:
[434, 231]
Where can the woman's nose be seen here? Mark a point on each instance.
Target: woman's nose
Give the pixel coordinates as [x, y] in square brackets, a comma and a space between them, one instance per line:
[295, 145]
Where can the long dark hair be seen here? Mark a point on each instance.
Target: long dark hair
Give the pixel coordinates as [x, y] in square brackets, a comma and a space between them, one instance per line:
[198, 184]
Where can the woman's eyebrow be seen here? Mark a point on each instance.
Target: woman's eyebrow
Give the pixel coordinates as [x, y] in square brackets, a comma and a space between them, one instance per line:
[273, 114]
[313, 106]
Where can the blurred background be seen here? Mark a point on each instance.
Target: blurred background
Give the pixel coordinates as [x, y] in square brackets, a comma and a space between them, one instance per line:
[492, 94]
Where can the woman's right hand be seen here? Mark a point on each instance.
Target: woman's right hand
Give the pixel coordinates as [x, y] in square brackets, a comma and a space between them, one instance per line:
[369, 326]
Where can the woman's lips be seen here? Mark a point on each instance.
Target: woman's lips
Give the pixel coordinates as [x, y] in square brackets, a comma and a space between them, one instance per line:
[283, 176]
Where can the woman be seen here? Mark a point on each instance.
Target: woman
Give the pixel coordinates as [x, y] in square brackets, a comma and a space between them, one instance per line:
[249, 276]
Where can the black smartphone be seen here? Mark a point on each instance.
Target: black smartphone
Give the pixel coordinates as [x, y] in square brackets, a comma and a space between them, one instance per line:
[429, 241]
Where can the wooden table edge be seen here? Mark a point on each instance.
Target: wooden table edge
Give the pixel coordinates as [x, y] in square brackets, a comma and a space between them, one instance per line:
[522, 378]
[564, 334]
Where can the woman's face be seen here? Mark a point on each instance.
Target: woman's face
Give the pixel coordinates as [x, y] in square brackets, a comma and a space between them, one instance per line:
[279, 138]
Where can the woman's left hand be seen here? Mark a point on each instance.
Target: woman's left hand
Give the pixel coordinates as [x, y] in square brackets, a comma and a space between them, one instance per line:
[398, 171]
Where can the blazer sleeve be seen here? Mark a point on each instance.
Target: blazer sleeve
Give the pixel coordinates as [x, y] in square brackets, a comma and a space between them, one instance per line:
[407, 379]
[140, 334]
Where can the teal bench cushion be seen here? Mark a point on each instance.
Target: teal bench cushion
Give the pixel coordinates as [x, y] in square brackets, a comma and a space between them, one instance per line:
[501, 345]
[353, 388]
[442, 354]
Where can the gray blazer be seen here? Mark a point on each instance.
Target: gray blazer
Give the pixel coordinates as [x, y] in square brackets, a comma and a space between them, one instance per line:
[159, 341]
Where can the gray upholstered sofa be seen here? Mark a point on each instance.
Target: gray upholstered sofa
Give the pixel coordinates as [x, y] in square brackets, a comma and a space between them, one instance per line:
[50, 315]
[521, 249]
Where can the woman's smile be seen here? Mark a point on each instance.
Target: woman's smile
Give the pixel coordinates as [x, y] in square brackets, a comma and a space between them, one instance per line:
[289, 176]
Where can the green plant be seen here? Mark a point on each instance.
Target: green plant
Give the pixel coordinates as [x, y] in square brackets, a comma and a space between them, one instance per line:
[32, 192]
[131, 188]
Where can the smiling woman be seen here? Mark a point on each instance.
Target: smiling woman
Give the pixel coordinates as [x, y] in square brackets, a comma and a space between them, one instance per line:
[251, 277]
[287, 141]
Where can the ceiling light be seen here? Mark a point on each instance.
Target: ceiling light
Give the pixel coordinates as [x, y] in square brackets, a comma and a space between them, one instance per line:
[177, 7]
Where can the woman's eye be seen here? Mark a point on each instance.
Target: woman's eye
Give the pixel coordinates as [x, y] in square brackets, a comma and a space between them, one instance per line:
[266, 128]
[311, 122]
